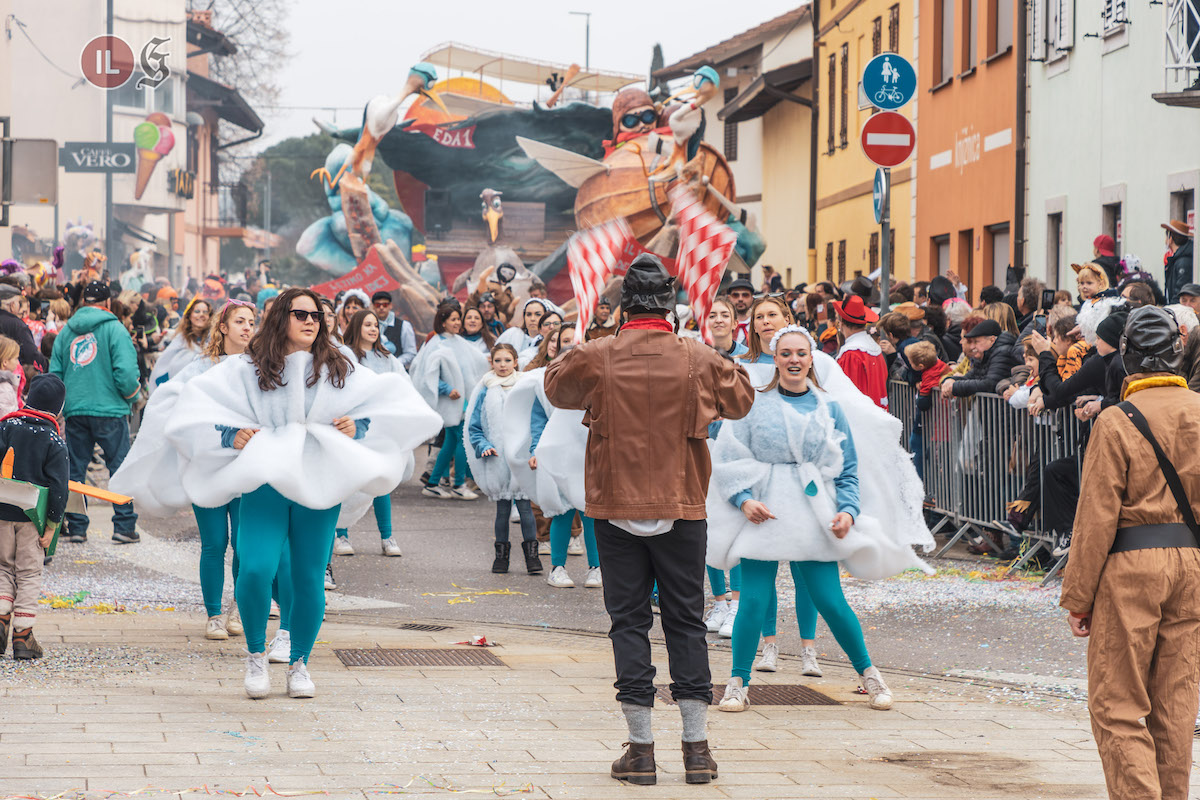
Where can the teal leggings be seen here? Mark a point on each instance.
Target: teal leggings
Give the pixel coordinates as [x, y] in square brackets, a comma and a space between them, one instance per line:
[383, 517]
[817, 579]
[716, 579]
[218, 528]
[306, 535]
[452, 447]
[560, 537]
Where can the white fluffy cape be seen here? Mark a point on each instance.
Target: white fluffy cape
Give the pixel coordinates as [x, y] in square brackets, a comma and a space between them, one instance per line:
[545, 485]
[788, 460]
[451, 359]
[171, 362]
[492, 474]
[297, 450]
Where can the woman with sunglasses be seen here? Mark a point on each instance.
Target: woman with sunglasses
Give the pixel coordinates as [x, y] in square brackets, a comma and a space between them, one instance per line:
[547, 324]
[444, 372]
[187, 342]
[295, 429]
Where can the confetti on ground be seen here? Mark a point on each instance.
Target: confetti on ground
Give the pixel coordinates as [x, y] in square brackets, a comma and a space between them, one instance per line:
[104, 794]
[496, 791]
[467, 595]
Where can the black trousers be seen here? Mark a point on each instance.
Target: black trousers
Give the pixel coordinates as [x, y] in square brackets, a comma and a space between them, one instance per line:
[631, 566]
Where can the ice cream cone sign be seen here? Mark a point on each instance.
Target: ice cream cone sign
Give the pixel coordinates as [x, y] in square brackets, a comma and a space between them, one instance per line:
[154, 139]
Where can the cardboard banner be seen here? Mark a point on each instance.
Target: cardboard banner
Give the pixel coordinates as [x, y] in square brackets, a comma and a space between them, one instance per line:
[370, 276]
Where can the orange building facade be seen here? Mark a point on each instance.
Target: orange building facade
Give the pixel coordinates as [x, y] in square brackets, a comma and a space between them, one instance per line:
[970, 152]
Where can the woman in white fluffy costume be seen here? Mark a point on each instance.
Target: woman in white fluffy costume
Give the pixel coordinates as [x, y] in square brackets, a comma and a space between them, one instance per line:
[444, 372]
[186, 345]
[295, 429]
[786, 486]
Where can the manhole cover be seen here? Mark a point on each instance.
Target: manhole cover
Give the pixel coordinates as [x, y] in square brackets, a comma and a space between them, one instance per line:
[416, 626]
[418, 657]
[787, 694]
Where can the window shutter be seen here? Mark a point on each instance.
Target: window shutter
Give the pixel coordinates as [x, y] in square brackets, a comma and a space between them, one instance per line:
[1039, 30]
[1066, 15]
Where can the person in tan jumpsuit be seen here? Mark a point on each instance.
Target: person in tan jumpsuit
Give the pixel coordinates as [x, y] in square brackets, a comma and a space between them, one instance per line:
[1133, 583]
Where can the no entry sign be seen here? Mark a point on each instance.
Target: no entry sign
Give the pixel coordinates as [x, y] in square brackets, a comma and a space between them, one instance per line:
[888, 139]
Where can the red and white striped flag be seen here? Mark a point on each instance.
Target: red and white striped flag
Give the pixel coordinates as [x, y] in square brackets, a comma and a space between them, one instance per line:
[592, 257]
[705, 246]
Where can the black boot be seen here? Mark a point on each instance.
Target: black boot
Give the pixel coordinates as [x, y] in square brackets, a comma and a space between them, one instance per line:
[25, 646]
[500, 565]
[5, 622]
[533, 564]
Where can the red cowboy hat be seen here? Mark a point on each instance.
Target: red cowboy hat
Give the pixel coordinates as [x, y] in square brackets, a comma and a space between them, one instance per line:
[854, 311]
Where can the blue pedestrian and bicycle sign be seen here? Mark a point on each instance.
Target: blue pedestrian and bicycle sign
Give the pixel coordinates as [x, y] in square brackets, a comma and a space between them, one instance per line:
[889, 81]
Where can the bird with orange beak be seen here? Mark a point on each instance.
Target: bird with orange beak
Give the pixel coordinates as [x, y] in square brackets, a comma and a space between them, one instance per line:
[493, 212]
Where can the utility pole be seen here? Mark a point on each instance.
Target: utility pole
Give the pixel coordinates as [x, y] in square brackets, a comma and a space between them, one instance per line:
[110, 237]
[587, 41]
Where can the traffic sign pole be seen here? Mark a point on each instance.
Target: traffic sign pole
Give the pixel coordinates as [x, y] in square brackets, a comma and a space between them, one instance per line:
[885, 243]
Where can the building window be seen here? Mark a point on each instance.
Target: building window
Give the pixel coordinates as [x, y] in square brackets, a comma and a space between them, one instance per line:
[876, 36]
[873, 252]
[193, 150]
[1116, 14]
[1110, 223]
[845, 95]
[941, 254]
[970, 29]
[829, 261]
[998, 237]
[894, 29]
[731, 130]
[1000, 25]
[1183, 206]
[841, 260]
[1060, 28]
[1054, 239]
[829, 94]
[944, 41]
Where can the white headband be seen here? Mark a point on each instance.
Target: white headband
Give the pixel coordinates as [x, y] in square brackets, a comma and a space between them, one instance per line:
[793, 329]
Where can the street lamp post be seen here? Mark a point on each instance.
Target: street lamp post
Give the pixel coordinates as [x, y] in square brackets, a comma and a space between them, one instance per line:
[587, 41]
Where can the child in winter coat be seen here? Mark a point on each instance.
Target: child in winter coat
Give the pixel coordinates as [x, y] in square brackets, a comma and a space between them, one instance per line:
[485, 446]
[39, 457]
[11, 376]
[923, 360]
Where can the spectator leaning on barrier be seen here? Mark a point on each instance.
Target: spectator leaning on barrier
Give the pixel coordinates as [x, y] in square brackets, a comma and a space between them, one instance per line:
[1189, 296]
[993, 359]
[1135, 566]
[928, 371]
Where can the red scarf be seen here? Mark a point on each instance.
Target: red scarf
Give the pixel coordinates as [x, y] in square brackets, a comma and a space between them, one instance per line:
[33, 413]
[648, 324]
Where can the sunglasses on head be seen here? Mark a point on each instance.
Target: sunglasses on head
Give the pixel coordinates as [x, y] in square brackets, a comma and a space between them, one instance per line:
[646, 117]
[304, 316]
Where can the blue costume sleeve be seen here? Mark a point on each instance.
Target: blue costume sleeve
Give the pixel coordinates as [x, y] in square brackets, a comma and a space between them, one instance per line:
[475, 433]
[740, 498]
[360, 427]
[227, 434]
[444, 389]
[537, 424]
[714, 428]
[847, 482]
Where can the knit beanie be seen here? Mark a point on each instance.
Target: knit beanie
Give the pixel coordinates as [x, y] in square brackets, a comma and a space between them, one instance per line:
[46, 393]
[1110, 329]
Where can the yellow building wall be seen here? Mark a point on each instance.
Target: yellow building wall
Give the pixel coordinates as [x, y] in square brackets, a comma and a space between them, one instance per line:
[844, 178]
[787, 130]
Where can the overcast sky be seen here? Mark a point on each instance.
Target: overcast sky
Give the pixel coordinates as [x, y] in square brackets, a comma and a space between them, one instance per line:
[346, 52]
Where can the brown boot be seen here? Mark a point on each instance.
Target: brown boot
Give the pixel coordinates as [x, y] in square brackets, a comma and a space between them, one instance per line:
[25, 646]
[698, 763]
[636, 765]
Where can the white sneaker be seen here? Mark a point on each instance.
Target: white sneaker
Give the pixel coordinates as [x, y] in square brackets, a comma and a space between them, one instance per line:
[298, 681]
[437, 491]
[216, 629]
[463, 493]
[716, 616]
[280, 648]
[233, 621]
[274, 612]
[808, 663]
[330, 583]
[726, 631]
[769, 657]
[559, 579]
[594, 579]
[575, 547]
[258, 682]
[736, 697]
[390, 548]
[877, 690]
[543, 548]
[342, 546]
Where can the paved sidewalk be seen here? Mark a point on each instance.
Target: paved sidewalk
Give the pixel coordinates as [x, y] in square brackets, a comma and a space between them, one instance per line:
[129, 701]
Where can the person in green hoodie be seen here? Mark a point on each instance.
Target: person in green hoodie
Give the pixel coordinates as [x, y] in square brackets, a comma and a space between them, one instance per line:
[95, 357]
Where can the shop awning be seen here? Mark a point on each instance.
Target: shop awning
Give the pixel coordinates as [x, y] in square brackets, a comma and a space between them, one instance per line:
[501, 67]
[228, 102]
[766, 91]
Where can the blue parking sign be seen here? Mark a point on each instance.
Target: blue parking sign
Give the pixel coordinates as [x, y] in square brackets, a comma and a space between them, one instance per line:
[889, 81]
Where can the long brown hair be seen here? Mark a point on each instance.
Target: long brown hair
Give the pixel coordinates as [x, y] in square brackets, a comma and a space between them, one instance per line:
[543, 353]
[192, 336]
[353, 337]
[216, 339]
[812, 368]
[488, 337]
[752, 338]
[269, 346]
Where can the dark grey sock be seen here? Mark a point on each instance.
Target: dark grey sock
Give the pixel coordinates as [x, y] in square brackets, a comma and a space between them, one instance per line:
[695, 719]
[638, 719]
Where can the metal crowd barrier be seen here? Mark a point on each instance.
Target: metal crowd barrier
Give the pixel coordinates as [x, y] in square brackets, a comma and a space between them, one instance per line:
[976, 454]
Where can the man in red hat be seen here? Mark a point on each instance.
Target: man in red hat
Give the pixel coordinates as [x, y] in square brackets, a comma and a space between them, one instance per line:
[860, 357]
[1104, 253]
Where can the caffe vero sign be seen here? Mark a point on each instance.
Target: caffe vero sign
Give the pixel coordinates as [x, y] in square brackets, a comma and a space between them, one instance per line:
[97, 157]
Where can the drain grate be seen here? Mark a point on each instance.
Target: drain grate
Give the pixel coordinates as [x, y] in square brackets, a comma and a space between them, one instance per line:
[416, 626]
[788, 694]
[417, 657]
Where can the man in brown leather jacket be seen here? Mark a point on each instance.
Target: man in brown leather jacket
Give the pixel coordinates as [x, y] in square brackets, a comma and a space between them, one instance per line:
[1133, 583]
[649, 396]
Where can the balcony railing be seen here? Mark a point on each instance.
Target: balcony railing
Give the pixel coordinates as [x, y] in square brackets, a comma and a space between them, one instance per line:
[1181, 49]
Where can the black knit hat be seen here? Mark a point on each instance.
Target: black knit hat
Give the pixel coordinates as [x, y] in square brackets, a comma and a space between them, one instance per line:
[46, 393]
[1111, 328]
[1151, 342]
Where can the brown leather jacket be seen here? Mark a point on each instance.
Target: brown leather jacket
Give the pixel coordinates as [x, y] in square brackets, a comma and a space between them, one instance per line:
[649, 397]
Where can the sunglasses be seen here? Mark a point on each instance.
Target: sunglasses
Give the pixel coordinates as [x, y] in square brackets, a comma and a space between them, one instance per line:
[304, 316]
[647, 117]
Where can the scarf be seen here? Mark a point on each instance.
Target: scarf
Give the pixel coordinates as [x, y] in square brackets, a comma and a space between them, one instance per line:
[492, 380]
[33, 413]
[648, 324]
[1136, 385]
